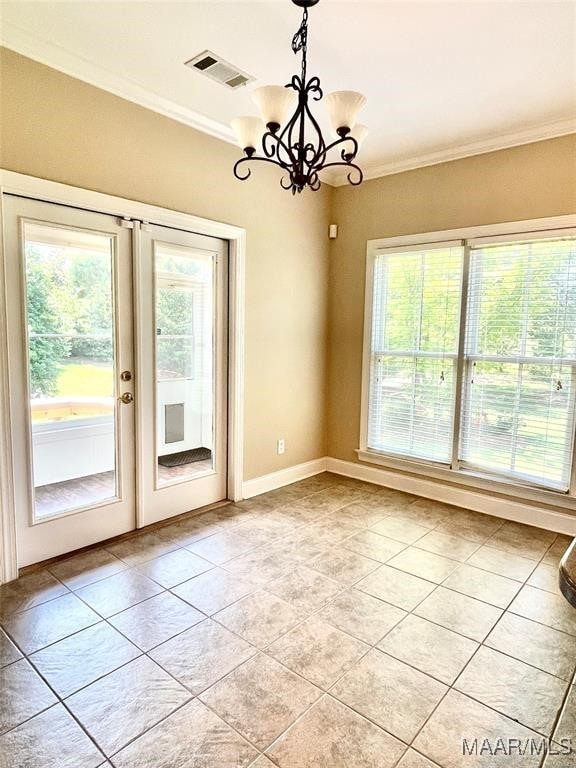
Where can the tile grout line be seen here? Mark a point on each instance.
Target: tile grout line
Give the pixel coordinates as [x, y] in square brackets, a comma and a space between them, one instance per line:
[480, 644]
[263, 651]
[371, 647]
[344, 588]
[59, 702]
[303, 564]
[570, 690]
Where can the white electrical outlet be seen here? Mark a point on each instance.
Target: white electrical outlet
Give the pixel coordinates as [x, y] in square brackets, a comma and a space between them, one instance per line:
[280, 447]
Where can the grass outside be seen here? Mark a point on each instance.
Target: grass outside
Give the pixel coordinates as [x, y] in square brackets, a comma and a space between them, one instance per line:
[86, 380]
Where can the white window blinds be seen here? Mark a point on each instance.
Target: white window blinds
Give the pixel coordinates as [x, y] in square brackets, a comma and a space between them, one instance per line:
[520, 357]
[414, 351]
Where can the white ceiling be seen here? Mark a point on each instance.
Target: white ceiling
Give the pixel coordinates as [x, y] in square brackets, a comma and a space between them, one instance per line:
[443, 79]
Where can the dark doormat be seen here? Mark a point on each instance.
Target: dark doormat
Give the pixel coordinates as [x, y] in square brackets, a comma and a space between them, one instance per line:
[185, 457]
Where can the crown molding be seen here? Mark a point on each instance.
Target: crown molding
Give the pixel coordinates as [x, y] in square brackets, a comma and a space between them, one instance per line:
[54, 56]
[493, 144]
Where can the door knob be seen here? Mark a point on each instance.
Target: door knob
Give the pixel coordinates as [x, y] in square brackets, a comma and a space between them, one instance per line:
[127, 398]
[126, 376]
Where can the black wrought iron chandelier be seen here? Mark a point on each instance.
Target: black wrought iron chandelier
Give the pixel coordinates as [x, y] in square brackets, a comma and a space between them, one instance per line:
[297, 145]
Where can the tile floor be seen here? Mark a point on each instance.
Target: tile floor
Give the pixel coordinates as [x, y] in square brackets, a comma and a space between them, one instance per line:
[328, 624]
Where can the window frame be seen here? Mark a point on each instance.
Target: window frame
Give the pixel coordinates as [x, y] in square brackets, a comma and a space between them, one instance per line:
[418, 354]
[457, 473]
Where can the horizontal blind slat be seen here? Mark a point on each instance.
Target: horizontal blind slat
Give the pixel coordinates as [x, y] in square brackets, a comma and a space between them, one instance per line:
[518, 413]
[415, 318]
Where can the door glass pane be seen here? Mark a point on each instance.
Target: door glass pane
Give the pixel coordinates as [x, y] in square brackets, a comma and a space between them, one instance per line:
[70, 319]
[184, 319]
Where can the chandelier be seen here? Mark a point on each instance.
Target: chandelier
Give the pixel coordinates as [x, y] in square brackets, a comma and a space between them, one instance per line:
[297, 145]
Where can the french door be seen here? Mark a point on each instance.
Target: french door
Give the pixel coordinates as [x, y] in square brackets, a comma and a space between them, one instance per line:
[182, 333]
[111, 429]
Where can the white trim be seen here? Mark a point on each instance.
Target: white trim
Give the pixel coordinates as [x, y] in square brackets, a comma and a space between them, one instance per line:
[138, 347]
[236, 327]
[367, 343]
[393, 249]
[58, 58]
[51, 55]
[547, 234]
[467, 233]
[54, 192]
[460, 151]
[12, 183]
[557, 225]
[8, 556]
[486, 503]
[282, 477]
[474, 478]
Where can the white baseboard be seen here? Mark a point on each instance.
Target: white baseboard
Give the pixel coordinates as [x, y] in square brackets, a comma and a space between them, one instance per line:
[509, 509]
[519, 511]
[266, 483]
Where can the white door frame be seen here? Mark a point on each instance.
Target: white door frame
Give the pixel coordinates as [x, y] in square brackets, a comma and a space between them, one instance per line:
[54, 192]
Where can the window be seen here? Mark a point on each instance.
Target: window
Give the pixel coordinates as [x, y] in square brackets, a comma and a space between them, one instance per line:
[472, 356]
[414, 351]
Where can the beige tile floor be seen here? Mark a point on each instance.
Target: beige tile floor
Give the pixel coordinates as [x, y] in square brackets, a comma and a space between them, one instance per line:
[329, 624]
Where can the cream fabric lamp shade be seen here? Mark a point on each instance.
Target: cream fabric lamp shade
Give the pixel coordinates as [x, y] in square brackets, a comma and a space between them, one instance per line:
[273, 101]
[248, 130]
[343, 108]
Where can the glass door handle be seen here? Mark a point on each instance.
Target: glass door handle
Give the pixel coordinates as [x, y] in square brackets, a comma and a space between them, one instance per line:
[127, 398]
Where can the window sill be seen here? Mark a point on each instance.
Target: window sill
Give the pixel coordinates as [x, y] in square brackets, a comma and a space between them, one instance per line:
[469, 479]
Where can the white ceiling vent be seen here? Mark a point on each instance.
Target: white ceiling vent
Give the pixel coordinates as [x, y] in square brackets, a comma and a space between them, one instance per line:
[214, 67]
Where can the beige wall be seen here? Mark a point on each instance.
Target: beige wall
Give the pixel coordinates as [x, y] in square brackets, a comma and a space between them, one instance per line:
[59, 128]
[304, 299]
[527, 182]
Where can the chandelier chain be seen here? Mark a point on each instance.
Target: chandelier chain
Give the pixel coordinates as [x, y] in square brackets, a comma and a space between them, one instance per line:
[300, 42]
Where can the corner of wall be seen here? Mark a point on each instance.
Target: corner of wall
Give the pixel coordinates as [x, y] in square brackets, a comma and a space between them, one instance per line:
[328, 400]
[516, 184]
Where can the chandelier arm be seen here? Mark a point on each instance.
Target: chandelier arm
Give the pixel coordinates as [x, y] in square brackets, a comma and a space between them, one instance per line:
[286, 136]
[310, 149]
[292, 141]
[237, 165]
[295, 84]
[351, 167]
[287, 132]
[320, 151]
[260, 159]
[347, 157]
[302, 135]
[314, 181]
[360, 176]
[313, 86]
[280, 144]
[341, 140]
